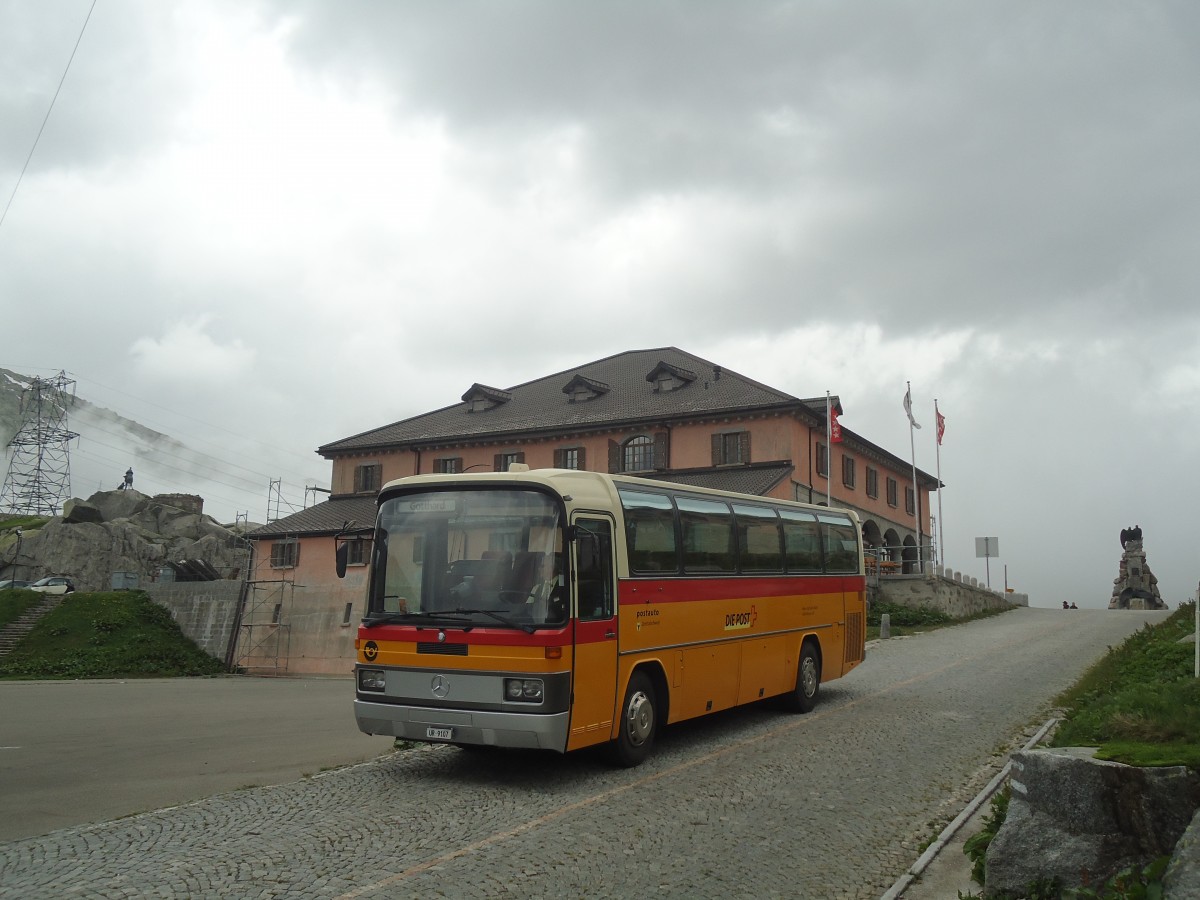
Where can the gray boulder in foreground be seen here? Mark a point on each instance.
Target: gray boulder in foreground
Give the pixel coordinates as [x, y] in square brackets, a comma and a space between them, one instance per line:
[1081, 820]
[1182, 879]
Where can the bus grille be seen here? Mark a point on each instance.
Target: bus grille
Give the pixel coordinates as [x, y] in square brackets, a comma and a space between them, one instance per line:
[443, 649]
[854, 637]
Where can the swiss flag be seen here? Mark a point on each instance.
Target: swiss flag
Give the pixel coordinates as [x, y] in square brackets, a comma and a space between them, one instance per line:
[835, 427]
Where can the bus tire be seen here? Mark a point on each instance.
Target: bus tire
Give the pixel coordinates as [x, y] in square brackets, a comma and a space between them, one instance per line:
[639, 722]
[808, 680]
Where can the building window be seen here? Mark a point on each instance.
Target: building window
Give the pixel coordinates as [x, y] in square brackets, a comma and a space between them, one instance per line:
[910, 503]
[348, 613]
[285, 554]
[731, 448]
[356, 555]
[448, 465]
[277, 614]
[504, 461]
[639, 454]
[569, 458]
[872, 483]
[892, 497]
[368, 478]
[848, 471]
[822, 460]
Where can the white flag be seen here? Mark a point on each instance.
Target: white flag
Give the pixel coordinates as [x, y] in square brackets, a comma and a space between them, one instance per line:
[908, 408]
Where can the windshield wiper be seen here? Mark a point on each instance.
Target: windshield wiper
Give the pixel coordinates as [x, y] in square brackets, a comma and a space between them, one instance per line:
[392, 618]
[503, 620]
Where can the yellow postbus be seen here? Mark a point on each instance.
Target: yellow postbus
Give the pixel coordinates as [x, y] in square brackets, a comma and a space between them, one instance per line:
[560, 609]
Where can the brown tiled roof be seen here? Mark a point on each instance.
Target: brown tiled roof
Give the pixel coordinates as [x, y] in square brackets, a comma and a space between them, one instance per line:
[541, 405]
[327, 517]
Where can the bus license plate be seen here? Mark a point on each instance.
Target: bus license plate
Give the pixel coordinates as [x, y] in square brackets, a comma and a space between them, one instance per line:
[439, 734]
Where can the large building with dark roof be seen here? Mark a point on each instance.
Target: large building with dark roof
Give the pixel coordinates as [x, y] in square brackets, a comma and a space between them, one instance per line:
[662, 413]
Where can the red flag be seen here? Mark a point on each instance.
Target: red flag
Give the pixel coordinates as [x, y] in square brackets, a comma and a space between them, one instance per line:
[835, 427]
[941, 424]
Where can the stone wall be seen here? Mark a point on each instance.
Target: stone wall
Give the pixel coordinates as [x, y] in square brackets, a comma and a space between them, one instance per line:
[945, 590]
[206, 611]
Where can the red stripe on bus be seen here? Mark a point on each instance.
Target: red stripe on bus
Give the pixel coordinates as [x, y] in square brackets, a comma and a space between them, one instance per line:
[680, 590]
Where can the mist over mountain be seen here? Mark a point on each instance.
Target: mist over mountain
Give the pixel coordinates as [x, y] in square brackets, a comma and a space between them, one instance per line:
[109, 443]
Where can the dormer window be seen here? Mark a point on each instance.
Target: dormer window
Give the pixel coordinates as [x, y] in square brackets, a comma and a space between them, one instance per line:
[666, 377]
[481, 398]
[580, 389]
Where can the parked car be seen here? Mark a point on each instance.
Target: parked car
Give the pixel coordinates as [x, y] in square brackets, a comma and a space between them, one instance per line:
[11, 584]
[54, 584]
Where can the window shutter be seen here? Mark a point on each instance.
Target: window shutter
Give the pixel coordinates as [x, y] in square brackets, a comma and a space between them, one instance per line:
[519, 456]
[581, 457]
[716, 449]
[498, 462]
[560, 459]
[614, 457]
[662, 450]
[744, 441]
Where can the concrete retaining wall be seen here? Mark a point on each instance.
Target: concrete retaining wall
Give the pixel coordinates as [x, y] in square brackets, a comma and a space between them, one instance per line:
[206, 611]
[946, 591]
[322, 642]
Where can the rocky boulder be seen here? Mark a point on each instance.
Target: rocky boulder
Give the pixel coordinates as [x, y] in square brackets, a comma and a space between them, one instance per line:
[1182, 878]
[126, 531]
[75, 511]
[1082, 820]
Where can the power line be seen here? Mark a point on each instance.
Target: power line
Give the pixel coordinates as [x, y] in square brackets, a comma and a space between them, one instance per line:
[221, 463]
[208, 425]
[49, 109]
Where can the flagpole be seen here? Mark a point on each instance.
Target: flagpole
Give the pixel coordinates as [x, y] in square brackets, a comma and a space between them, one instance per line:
[937, 436]
[912, 443]
[828, 451]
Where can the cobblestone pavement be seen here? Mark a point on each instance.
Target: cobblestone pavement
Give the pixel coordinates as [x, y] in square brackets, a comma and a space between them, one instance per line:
[752, 803]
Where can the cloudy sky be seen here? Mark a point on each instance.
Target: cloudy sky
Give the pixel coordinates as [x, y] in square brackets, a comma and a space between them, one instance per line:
[262, 226]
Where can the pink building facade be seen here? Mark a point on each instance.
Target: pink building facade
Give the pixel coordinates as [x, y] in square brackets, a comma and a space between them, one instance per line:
[661, 413]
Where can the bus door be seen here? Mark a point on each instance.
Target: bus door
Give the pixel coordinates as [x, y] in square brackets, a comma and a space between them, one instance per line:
[594, 676]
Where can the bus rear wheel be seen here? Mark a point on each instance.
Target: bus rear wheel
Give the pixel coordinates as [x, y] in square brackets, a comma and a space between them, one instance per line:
[639, 722]
[808, 680]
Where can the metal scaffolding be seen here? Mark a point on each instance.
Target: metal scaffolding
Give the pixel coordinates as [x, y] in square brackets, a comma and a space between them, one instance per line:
[264, 632]
[38, 480]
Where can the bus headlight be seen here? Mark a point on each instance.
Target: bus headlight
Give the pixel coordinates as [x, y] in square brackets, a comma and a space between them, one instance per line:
[524, 690]
[371, 680]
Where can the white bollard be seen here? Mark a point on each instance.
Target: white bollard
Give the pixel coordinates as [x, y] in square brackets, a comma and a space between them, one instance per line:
[885, 626]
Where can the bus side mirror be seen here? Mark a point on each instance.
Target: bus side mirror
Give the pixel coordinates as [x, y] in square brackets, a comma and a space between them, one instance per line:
[340, 556]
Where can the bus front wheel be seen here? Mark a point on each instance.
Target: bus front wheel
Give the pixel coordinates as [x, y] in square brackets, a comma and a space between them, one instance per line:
[639, 722]
[808, 680]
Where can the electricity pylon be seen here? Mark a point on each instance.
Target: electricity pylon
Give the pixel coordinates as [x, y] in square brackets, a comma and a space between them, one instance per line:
[39, 465]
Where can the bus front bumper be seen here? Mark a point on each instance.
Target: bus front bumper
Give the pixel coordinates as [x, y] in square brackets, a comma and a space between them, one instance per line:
[457, 726]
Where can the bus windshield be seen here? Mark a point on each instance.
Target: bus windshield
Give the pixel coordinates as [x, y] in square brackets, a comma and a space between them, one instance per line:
[469, 557]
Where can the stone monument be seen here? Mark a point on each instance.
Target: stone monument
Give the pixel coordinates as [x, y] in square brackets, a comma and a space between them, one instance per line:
[1135, 587]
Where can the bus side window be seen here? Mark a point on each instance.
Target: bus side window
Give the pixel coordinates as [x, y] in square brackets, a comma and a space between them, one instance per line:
[593, 573]
[650, 532]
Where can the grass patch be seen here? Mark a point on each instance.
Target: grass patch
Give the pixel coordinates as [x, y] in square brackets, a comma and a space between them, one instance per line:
[14, 603]
[25, 523]
[909, 620]
[1140, 704]
[119, 634]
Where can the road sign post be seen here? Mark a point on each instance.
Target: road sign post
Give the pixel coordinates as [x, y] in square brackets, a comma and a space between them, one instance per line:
[987, 547]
